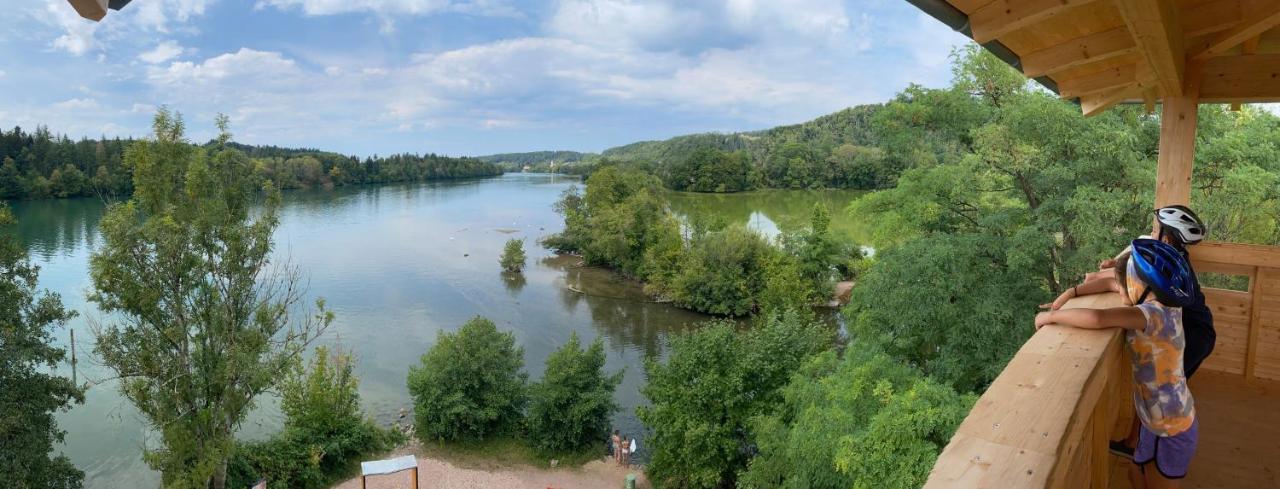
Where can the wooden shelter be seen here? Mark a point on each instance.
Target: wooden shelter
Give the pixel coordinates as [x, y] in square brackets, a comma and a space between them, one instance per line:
[1047, 419]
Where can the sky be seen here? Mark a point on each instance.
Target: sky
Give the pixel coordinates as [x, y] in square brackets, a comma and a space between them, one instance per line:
[460, 77]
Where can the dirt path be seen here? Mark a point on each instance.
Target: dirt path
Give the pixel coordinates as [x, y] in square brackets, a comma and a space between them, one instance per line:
[438, 474]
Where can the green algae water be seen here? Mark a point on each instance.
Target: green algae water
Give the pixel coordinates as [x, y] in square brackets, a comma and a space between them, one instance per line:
[398, 264]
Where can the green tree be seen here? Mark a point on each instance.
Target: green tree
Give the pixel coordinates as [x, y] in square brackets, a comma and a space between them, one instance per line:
[324, 431]
[30, 396]
[713, 382]
[569, 408]
[512, 259]
[206, 321]
[723, 272]
[864, 420]
[470, 385]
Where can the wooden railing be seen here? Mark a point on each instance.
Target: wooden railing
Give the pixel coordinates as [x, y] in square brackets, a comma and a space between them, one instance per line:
[1046, 419]
[1248, 322]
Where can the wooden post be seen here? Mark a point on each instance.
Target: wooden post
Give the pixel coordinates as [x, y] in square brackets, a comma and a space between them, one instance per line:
[415, 478]
[1178, 142]
[1255, 321]
[362, 481]
[74, 380]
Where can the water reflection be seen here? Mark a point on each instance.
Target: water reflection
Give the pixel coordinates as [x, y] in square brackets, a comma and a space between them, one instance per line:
[398, 264]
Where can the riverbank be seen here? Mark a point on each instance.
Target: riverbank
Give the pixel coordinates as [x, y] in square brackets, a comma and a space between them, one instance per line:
[436, 471]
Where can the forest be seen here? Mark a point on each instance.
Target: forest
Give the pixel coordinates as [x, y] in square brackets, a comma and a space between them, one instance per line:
[40, 164]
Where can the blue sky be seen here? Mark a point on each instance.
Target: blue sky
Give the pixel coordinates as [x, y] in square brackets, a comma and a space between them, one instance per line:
[460, 77]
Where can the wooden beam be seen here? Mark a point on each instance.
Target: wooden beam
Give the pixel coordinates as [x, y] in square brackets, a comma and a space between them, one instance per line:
[1178, 143]
[1101, 81]
[1250, 46]
[1256, 22]
[93, 10]
[1255, 322]
[1157, 32]
[1149, 100]
[1001, 17]
[1247, 78]
[1079, 51]
[1095, 104]
[1211, 17]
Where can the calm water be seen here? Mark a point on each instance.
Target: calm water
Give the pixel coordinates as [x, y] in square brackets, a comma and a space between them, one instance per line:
[398, 264]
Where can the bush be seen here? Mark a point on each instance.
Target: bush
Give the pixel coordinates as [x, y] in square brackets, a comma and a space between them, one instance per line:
[469, 385]
[324, 432]
[723, 272]
[715, 380]
[512, 259]
[866, 420]
[569, 409]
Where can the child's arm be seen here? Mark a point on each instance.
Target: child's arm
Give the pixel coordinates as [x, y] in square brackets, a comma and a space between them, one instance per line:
[1089, 287]
[1116, 317]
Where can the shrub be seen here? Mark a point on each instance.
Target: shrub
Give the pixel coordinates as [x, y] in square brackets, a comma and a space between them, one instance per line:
[570, 408]
[715, 380]
[866, 420]
[512, 259]
[723, 272]
[469, 385]
[324, 432]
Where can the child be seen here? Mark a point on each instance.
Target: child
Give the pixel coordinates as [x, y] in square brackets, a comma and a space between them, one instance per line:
[626, 452]
[617, 447]
[1169, 432]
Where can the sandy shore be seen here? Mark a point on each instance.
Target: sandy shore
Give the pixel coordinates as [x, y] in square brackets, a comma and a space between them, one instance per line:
[439, 474]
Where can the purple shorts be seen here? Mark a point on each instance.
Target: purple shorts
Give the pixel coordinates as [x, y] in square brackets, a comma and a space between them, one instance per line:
[1171, 454]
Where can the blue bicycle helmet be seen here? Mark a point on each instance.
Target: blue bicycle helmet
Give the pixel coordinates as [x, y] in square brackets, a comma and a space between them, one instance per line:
[1164, 271]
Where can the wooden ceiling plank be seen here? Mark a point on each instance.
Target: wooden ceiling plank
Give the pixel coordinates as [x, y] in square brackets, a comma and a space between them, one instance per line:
[1079, 51]
[1095, 104]
[1248, 78]
[1210, 17]
[1098, 82]
[1158, 34]
[1004, 16]
[967, 6]
[1255, 23]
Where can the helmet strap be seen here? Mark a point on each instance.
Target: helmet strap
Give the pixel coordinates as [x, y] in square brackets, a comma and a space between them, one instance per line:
[1143, 298]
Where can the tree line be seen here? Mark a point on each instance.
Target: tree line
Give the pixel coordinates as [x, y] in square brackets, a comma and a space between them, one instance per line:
[39, 165]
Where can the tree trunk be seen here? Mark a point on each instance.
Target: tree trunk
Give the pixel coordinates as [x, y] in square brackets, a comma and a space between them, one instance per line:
[219, 479]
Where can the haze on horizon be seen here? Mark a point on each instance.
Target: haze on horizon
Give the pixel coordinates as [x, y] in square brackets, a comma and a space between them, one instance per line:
[460, 77]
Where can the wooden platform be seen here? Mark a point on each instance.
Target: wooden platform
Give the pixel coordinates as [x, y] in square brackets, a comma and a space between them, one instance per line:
[1239, 439]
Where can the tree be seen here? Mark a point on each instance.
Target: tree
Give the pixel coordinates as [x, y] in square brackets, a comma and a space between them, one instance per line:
[569, 408]
[513, 258]
[723, 272]
[324, 430]
[864, 420]
[30, 396]
[206, 320]
[714, 381]
[469, 385]
[948, 306]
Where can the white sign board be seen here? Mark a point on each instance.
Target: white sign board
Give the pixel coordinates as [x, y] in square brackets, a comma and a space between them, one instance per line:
[379, 467]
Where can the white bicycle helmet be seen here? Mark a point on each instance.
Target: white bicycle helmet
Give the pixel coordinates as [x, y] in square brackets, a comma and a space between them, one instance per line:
[1180, 223]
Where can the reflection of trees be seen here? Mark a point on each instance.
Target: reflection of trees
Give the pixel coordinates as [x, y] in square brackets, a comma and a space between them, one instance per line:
[788, 209]
[57, 226]
[619, 309]
[514, 282]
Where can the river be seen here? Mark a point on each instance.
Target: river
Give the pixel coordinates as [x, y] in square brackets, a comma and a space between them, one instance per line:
[398, 264]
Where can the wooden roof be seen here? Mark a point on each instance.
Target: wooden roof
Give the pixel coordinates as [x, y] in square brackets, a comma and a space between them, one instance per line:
[1104, 52]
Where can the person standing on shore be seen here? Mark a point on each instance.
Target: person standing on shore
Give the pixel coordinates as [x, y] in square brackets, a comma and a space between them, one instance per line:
[617, 447]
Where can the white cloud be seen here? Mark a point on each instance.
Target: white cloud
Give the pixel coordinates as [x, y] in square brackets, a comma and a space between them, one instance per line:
[391, 7]
[77, 37]
[76, 104]
[164, 51]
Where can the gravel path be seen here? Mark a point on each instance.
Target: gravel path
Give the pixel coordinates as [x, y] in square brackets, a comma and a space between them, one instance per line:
[438, 474]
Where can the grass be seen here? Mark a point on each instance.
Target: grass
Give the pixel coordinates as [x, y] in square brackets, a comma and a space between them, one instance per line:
[502, 452]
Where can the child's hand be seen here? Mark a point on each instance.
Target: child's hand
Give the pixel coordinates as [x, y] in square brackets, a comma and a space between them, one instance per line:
[1105, 264]
[1042, 319]
[1060, 301]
